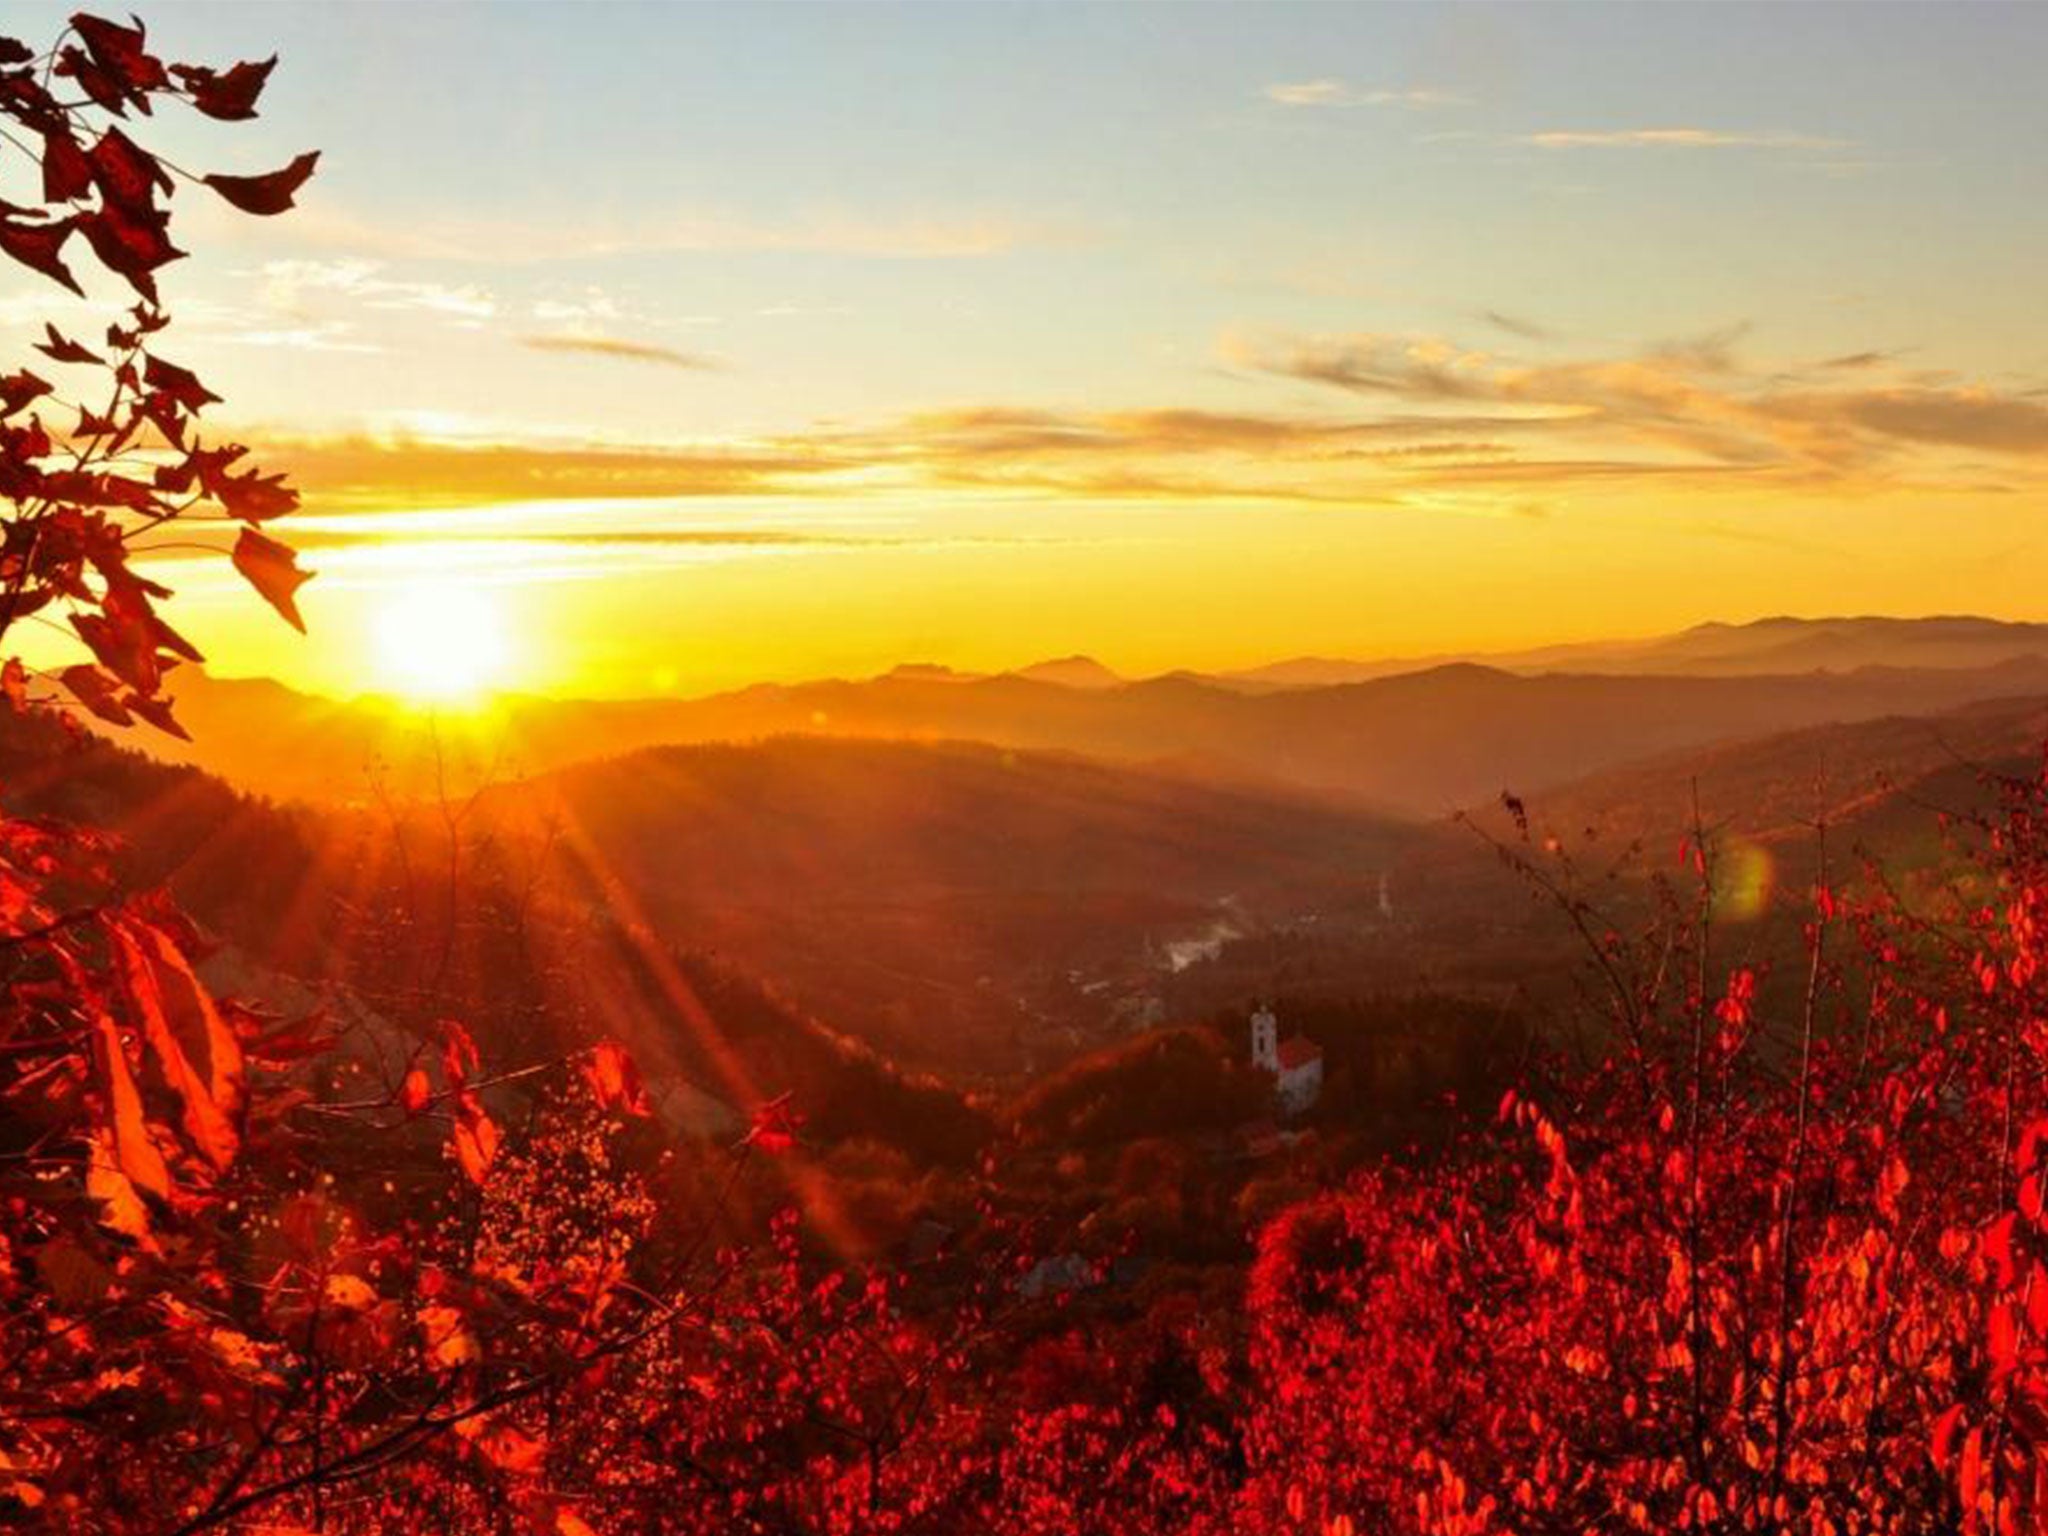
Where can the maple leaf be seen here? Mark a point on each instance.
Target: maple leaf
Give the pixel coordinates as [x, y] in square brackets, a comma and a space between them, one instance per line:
[67, 171]
[119, 51]
[416, 1092]
[158, 713]
[64, 350]
[273, 570]
[130, 244]
[230, 94]
[119, 650]
[614, 1079]
[20, 389]
[135, 1150]
[193, 1013]
[205, 1118]
[254, 497]
[96, 691]
[129, 176]
[476, 1138]
[120, 1205]
[269, 194]
[39, 246]
[180, 384]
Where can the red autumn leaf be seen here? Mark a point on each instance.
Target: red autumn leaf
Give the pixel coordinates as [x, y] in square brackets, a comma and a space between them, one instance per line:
[38, 246]
[230, 94]
[120, 1206]
[120, 52]
[273, 570]
[459, 1056]
[416, 1092]
[128, 175]
[101, 85]
[95, 690]
[130, 244]
[180, 384]
[476, 1138]
[158, 713]
[91, 425]
[1942, 1442]
[205, 1117]
[122, 650]
[135, 1150]
[20, 389]
[14, 684]
[67, 172]
[615, 1080]
[196, 1017]
[61, 348]
[254, 497]
[268, 194]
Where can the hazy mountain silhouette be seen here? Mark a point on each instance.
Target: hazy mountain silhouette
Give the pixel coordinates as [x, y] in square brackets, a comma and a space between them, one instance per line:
[1071, 672]
[1772, 645]
[1417, 744]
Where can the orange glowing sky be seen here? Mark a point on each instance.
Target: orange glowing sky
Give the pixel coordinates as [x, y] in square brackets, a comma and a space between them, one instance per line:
[692, 346]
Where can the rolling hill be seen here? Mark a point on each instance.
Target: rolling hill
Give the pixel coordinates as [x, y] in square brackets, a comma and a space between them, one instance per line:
[964, 907]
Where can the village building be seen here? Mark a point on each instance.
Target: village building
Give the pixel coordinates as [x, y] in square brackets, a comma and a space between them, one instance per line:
[1296, 1062]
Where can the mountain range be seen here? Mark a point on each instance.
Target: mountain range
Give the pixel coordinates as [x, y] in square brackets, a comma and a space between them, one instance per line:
[1414, 743]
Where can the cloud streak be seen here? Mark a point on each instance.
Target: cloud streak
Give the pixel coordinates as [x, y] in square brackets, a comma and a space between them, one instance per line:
[1407, 420]
[1677, 138]
[1687, 404]
[1331, 92]
[619, 348]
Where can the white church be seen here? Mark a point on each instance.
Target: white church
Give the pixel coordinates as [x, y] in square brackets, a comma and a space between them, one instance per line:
[1296, 1062]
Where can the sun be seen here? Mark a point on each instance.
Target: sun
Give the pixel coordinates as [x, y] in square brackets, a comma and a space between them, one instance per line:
[440, 642]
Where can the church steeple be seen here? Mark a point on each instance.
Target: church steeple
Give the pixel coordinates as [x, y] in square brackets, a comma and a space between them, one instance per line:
[1266, 1039]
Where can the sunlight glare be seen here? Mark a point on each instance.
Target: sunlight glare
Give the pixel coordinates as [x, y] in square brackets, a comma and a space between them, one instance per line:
[440, 642]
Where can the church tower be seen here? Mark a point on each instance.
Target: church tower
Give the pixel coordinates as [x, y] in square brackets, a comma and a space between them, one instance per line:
[1266, 1040]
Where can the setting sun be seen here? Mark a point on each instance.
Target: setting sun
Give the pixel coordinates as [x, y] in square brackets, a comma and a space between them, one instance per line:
[440, 642]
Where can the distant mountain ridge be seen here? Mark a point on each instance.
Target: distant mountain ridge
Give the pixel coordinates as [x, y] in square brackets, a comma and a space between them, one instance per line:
[1780, 644]
[1417, 742]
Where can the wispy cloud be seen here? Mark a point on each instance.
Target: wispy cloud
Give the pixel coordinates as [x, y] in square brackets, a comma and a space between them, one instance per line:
[1419, 421]
[368, 470]
[316, 336]
[618, 347]
[1677, 138]
[287, 285]
[1331, 92]
[1689, 405]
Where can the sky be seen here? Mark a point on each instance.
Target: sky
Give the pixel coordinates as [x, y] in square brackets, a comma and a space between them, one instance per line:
[689, 346]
